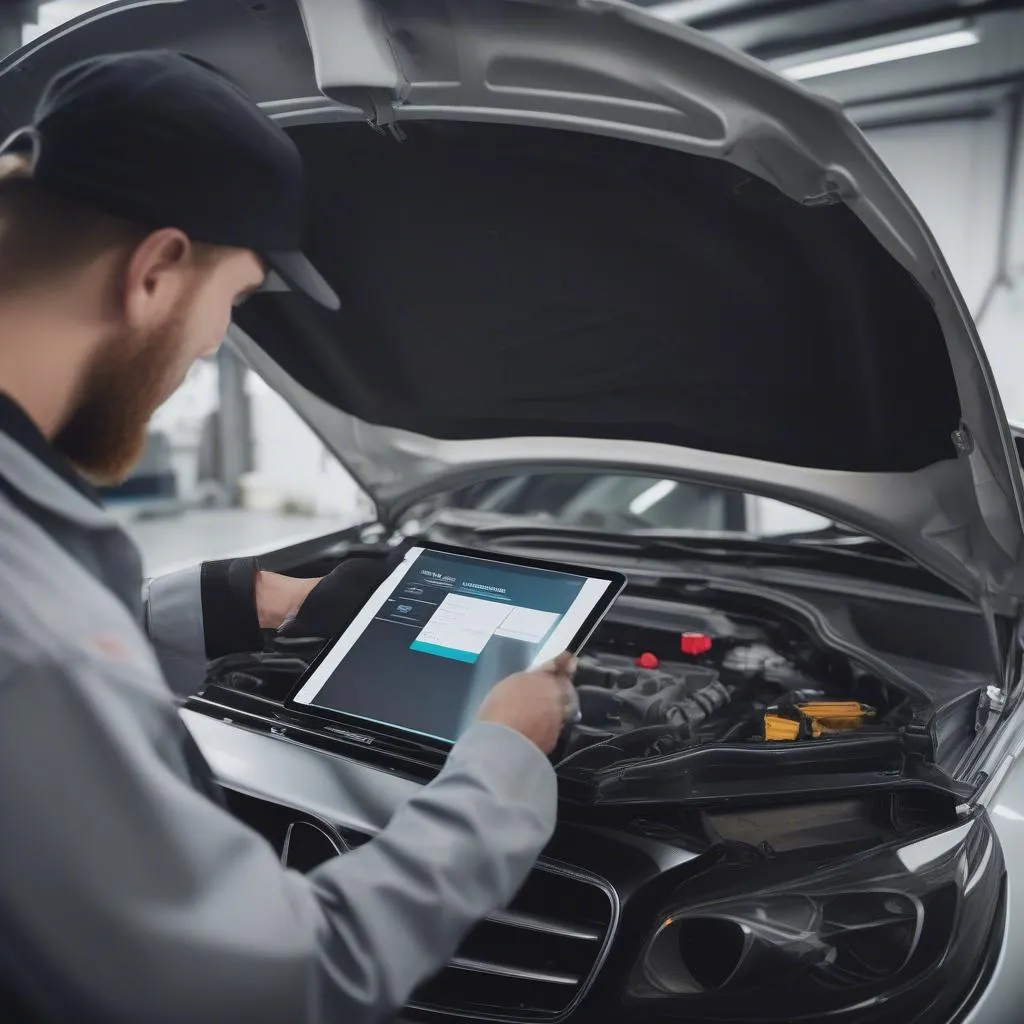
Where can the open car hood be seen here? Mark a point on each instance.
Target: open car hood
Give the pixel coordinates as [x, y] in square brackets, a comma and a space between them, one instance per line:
[571, 234]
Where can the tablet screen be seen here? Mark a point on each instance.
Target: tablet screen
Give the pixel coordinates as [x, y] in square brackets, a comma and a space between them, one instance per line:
[443, 629]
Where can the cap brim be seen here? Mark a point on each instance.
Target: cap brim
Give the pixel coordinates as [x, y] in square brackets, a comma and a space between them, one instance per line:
[297, 274]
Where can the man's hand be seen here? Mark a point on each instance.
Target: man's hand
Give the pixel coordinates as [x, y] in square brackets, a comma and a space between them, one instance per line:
[539, 703]
[279, 598]
[322, 608]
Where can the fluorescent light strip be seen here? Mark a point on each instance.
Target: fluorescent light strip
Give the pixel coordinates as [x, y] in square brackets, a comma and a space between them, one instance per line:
[882, 55]
[646, 500]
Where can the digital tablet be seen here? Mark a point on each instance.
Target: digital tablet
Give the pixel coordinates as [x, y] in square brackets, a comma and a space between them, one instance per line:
[442, 629]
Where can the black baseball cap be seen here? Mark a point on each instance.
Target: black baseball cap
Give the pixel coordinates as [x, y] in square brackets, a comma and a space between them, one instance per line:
[164, 139]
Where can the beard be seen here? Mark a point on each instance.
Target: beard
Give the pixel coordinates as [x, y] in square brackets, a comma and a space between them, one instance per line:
[130, 378]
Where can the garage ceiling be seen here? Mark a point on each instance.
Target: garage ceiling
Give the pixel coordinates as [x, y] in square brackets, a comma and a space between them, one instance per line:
[970, 80]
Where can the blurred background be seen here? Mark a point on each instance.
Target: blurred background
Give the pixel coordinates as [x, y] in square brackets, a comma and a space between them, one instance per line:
[937, 86]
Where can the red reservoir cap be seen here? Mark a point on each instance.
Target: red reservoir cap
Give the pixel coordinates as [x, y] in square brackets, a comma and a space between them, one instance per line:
[695, 643]
[647, 660]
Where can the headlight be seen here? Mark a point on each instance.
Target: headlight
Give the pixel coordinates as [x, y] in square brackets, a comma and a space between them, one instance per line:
[896, 934]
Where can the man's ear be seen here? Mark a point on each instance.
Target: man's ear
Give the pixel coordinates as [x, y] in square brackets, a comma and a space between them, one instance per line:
[155, 277]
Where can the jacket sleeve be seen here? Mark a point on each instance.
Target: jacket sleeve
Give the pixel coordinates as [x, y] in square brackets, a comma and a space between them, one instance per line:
[198, 920]
[199, 614]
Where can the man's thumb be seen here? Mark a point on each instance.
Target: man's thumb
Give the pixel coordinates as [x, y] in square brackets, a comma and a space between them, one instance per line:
[563, 665]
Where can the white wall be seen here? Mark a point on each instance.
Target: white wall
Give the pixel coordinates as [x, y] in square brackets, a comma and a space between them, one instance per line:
[181, 418]
[291, 465]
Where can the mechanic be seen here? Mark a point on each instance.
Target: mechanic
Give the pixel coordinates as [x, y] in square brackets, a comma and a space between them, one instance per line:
[148, 196]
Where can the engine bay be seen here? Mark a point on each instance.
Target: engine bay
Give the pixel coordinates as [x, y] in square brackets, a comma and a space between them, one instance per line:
[677, 673]
[731, 673]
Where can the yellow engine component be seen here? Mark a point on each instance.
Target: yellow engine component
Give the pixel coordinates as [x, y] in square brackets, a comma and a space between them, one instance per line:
[815, 719]
[778, 728]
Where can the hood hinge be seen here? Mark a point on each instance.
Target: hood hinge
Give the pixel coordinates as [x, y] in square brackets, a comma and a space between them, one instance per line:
[992, 703]
[378, 105]
[380, 108]
[990, 707]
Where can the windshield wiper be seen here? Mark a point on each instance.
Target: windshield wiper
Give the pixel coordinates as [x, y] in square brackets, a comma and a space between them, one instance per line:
[741, 548]
[834, 536]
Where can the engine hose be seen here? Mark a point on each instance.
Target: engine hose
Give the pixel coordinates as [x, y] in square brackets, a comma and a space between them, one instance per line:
[693, 710]
[651, 732]
[681, 719]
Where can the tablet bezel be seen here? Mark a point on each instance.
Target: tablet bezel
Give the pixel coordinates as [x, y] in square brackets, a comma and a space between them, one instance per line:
[371, 727]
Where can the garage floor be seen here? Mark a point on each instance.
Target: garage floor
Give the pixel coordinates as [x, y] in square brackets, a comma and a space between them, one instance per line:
[175, 541]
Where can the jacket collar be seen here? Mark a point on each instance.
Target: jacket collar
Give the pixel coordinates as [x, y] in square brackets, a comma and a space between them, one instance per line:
[32, 466]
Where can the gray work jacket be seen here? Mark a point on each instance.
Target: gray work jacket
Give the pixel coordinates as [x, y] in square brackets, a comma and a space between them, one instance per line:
[126, 893]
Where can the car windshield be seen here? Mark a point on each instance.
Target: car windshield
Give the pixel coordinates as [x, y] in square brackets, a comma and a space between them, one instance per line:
[621, 503]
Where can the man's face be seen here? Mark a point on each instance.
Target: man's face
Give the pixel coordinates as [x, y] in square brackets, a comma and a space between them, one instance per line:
[139, 365]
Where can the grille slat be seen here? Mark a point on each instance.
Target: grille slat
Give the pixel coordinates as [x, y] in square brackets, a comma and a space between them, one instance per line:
[530, 922]
[534, 960]
[503, 970]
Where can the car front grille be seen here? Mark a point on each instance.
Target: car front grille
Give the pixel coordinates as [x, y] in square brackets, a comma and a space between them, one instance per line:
[532, 961]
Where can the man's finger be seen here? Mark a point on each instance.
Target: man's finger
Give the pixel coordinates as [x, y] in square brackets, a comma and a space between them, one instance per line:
[573, 711]
[564, 665]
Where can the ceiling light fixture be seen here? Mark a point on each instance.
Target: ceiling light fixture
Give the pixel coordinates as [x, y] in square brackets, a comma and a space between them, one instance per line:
[647, 499]
[882, 54]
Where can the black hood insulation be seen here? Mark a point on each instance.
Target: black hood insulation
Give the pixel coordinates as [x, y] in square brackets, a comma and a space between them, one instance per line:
[508, 281]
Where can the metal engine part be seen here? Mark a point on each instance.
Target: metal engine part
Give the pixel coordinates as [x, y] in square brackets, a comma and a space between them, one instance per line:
[623, 699]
